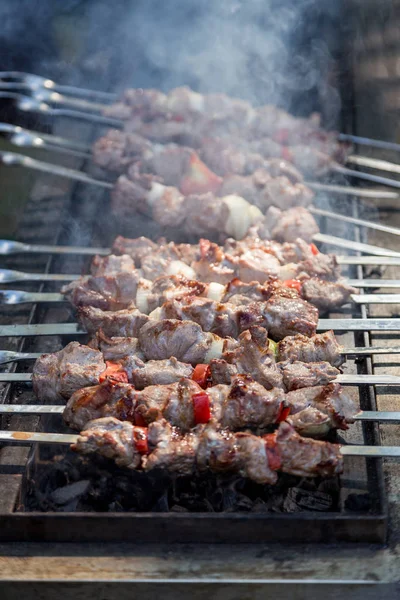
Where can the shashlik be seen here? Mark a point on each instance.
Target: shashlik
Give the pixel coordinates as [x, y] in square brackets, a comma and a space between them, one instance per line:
[129, 290]
[162, 446]
[242, 404]
[207, 213]
[261, 182]
[187, 117]
[292, 363]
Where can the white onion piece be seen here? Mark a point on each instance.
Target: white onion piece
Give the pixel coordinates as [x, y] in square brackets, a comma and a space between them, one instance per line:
[155, 193]
[142, 294]
[215, 350]
[156, 314]
[288, 271]
[215, 291]
[242, 215]
[177, 267]
[196, 101]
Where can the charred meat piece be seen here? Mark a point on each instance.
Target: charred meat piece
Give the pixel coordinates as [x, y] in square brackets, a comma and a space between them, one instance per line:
[108, 292]
[161, 446]
[184, 340]
[253, 356]
[56, 376]
[326, 295]
[334, 404]
[319, 347]
[300, 374]
[127, 322]
[288, 316]
[288, 225]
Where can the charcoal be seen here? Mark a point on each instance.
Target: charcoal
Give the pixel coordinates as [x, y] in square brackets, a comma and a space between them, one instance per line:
[71, 492]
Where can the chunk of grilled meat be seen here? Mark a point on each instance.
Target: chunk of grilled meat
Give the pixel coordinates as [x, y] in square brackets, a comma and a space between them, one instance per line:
[281, 315]
[161, 446]
[58, 375]
[320, 347]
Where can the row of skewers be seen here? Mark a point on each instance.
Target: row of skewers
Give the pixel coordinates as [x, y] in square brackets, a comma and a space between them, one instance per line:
[215, 335]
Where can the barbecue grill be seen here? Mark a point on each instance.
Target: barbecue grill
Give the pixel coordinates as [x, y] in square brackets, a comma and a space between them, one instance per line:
[79, 216]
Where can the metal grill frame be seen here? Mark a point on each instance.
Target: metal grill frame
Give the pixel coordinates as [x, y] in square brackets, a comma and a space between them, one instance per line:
[83, 206]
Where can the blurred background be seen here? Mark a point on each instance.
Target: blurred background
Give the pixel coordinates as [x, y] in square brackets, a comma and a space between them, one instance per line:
[304, 55]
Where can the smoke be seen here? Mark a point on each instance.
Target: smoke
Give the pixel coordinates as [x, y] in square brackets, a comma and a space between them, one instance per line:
[264, 51]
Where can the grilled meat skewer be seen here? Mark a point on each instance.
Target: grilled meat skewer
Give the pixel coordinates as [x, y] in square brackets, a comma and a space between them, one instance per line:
[291, 364]
[162, 446]
[129, 290]
[243, 403]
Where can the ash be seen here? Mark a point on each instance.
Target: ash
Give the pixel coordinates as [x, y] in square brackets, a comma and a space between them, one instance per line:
[68, 483]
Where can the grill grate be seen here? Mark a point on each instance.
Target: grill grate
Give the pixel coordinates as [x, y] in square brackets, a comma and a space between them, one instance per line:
[361, 513]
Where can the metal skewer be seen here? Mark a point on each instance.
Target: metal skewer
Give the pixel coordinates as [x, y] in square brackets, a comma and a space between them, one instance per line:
[31, 139]
[350, 324]
[374, 163]
[12, 297]
[28, 437]
[364, 141]
[8, 247]
[8, 276]
[43, 409]
[352, 379]
[7, 356]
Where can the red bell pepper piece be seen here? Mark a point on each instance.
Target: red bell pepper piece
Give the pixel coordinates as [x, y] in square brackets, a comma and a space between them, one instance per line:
[286, 154]
[201, 407]
[314, 249]
[273, 455]
[281, 136]
[140, 440]
[201, 375]
[114, 372]
[294, 284]
[284, 412]
[199, 179]
[139, 420]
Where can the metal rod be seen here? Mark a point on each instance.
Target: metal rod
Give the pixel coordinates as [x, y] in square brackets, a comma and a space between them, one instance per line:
[350, 324]
[35, 82]
[43, 329]
[354, 220]
[31, 139]
[21, 297]
[374, 163]
[369, 351]
[28, 437]
[352, 191]
[375, 298]
[8, 276]
[356, 246]
[351, 379]
[10, 247]
[364, 141]
[380, 261]
[7, 356]
[11, 297]
[15, 159]
[49, 409]
[373, 283]
[367, 176]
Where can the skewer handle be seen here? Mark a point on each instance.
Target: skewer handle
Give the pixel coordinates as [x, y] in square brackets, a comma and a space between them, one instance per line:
[7, 356]
[15, 159]
[8, 276]
[21, 297]
[10, 247]
[356, 246]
